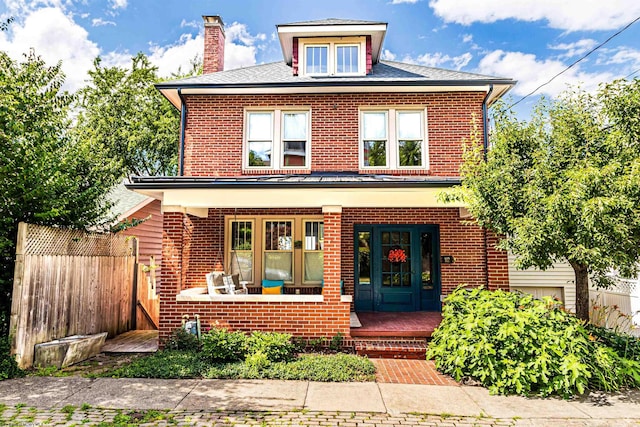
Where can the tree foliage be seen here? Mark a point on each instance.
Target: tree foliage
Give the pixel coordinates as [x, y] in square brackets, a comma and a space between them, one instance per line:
[564, 185]
[121, 109]
[45, 176]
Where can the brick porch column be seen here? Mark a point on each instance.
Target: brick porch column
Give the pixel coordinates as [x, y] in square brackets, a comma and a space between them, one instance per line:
[332, 253]
[497, 264]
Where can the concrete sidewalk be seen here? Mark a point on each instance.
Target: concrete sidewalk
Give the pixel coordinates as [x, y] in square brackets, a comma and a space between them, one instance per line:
[394, 400]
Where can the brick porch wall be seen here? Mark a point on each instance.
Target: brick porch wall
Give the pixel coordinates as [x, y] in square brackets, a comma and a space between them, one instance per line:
[193, 247]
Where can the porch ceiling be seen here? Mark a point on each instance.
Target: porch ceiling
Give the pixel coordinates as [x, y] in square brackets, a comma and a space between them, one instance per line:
[251, 192]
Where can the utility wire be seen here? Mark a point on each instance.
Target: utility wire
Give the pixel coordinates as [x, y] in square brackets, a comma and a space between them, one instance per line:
[629, 75]
[576, 62]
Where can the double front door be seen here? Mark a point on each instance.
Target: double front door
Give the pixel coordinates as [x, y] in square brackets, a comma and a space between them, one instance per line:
[397, 268]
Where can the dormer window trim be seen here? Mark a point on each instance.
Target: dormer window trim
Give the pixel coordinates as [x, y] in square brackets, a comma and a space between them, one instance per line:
[332, 45]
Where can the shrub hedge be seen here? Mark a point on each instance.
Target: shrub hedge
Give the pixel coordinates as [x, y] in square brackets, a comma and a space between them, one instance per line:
[513, 343]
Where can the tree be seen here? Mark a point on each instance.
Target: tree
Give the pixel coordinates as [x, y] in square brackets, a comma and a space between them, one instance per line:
[564, 185]
[46, 177]
[121, 109]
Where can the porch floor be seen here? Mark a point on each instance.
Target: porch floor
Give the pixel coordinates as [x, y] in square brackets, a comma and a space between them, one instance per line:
[133, 342]
[407, 324]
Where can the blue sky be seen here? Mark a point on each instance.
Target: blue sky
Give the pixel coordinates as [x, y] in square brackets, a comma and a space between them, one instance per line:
[529, 41]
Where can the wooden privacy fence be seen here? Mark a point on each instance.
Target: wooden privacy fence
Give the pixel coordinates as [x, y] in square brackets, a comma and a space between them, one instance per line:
[69, 282]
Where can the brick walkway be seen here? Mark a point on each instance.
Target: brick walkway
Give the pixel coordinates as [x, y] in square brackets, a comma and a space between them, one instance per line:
[401, 371]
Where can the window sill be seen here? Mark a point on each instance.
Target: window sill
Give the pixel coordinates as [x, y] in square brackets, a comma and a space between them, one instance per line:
[200, 294]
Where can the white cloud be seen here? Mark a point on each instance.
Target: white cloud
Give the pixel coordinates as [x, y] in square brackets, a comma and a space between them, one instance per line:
[177, 57]
[55, 37]
[571, 15]
[404, 1]
[99, 22]
[531, 72]
[388, 55]
[467, 38]
[625, 55]
[440, 60]
[192, 24]
[119, 4]
[574, 49]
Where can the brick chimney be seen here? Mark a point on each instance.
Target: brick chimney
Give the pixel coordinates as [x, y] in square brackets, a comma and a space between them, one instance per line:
[213, 58]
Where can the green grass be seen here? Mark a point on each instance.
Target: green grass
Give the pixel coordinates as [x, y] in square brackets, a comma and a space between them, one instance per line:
[183, 365]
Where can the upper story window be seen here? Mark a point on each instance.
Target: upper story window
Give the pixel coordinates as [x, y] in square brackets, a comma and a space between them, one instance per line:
[333, 56]
[277, 139]
[393, 139]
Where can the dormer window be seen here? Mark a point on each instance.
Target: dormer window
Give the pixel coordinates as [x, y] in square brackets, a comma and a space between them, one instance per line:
[338, 56]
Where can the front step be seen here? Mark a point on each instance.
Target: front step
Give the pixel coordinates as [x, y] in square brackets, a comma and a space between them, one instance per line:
[391, 349]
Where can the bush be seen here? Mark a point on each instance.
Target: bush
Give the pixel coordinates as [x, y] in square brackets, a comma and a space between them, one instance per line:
[163, 364]
[515, 344]
[8, 365]
[180, 339]
[625, 345]
[337, 368]
[275, 346]
[220, 345]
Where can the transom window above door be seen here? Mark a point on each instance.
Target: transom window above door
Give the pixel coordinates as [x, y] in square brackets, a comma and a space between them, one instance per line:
[393, 139]
[277, 139]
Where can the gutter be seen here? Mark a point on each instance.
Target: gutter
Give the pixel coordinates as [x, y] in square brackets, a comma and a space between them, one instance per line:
[485, 131]
[183, 125]
[172, 183]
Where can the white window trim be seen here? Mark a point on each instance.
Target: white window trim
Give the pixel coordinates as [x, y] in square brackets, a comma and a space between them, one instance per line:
[277, 141]
[393, 152]
[332, 66]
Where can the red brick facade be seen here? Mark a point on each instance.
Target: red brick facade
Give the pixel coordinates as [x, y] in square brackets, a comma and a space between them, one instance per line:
[215, 129]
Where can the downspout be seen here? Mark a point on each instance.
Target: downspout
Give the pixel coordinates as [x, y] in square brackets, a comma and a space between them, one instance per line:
[485, 140]
[485, 119]
[183, 124]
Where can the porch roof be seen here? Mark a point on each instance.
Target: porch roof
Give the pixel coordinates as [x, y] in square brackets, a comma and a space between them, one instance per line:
[347, 189]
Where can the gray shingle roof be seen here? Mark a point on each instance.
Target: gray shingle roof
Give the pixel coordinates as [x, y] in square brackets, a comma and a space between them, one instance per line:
[331, 21]
[123, 200]
[280, 73]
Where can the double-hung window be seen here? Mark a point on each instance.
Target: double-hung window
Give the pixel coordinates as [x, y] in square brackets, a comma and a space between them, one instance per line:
[277, 139]
[331, 56]
[290, 248]
[393, 139]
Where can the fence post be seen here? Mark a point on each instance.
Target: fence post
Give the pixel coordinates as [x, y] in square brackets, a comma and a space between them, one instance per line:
[134, 290]
[17, 342]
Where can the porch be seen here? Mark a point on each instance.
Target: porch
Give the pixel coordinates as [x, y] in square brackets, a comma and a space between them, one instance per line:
[416, 324]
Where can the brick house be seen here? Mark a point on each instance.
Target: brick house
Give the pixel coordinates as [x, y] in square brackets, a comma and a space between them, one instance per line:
[312, 171]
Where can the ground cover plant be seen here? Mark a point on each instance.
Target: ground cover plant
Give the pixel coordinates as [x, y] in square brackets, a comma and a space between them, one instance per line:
[234, 355]
[513, 343]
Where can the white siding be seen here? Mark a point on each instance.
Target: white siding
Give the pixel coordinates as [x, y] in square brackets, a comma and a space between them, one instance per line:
[558, 279]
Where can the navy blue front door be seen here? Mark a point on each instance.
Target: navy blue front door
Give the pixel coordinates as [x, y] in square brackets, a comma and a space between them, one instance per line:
[396, 268]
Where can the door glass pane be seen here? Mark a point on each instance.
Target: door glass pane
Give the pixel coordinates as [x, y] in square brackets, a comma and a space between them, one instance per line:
[396, 259]
[427, 261]
[364, 257]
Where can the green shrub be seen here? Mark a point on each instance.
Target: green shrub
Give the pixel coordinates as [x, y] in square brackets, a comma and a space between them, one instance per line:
[220, 345]
[625, 345]
[336, 342]
[257, 361]
[515, 344]
[162, 364]
[340, 367]
[180, 339]
[8, 366]
[275, 346]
